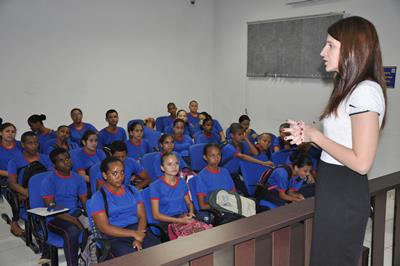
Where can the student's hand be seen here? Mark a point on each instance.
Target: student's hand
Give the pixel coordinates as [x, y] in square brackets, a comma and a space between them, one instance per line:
[301, 197]
[268, 163]
[191, 214]
[300, 132]
[137, 245]
[185, 220]
[139, 235]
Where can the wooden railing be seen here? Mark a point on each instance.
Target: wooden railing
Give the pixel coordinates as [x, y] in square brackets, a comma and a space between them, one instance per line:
[279, 237]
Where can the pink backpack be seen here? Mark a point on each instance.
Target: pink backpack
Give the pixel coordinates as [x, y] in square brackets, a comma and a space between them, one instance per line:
[180, 230]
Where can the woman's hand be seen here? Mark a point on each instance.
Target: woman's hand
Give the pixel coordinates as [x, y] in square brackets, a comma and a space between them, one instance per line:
[185, 220]
[139, 235]
[268, 164]
[137, 245]
[300, 132]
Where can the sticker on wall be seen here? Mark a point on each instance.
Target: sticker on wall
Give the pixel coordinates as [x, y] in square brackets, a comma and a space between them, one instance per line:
[390, 76]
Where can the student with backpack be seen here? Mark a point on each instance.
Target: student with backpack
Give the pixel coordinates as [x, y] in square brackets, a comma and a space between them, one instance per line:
[112, 132]
[78, 127]
[64, 188]
[281, 185]
[169, 194]
[19, 172]
[118, 212]
[133, 171]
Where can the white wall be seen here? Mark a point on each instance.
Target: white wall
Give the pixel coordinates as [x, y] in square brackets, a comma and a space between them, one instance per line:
[131, 55]
[269, 101]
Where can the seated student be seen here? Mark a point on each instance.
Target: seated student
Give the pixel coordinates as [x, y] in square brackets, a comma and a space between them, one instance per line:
[16, 168]
[65, 188]
[263, 146]
[212, 177]
[187, 129]
[133, 171]
[9, 149]
[169, 194]
[62, 140]
[217, 129]
[44, 134]
[207, 135]
[112, 132]
[193, 115]
[86, 157]
[304, 148]
[171, 107]
[137, 146]
[284, 183]
[118, 212]
[182, 141]
[244, 120]
[167, 145]
[279, 143]
[78, 128]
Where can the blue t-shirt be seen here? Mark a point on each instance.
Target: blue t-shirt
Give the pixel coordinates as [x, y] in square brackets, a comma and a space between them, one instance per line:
[6, 154]
[171, 198]
[17, 164]
[229, 158]
[170, 130]
[209, 180]
[136, 151]
[192, 120]
[182, 145]
[65, 190]
[51, 145]
[201, 137]
[44, 138]
[122, 207]
[167, 122]
[83, 161]
[216, 129]
[249, 136]
[280, 180]
[157, 164]
[106, 137]
[76, 135]
[131, 167]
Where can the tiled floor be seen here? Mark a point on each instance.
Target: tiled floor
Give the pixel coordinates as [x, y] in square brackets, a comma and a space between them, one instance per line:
[14, 252]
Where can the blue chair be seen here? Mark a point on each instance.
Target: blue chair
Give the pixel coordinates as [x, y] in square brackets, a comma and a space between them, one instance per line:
[152, 136]
[160, 123]
[280, 157]
[39, 224]
[148, 164]
[196, 157]
[151, 222]
[251, 173]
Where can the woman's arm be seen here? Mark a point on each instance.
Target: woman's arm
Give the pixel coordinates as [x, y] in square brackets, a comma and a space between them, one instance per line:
[101, 222]
[141, 214]
[145, 180]
[253, 149]
[365, 134]
[13, 184]
[189, 205]
[82, 172]
[3, 173]
[254, 160]
[202, 202]
[165, 218]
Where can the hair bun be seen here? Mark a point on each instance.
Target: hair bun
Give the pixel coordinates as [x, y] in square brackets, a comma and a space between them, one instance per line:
[42, 117]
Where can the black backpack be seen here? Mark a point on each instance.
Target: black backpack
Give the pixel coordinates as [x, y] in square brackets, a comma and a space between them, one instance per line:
[261, 188]
[30, 170]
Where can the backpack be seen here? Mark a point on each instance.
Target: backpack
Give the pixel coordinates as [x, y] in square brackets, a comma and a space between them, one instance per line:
[231, 202]
[261, 188]
[181, 230]
[30, 170]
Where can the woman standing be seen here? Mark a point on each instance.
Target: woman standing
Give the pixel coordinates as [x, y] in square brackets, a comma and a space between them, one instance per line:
[352, 121]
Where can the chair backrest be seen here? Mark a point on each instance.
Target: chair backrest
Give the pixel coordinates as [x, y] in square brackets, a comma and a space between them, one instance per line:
[197, 161]
[228, 134]
[251, 173]
[34, 190]
[148, 164]
[280, 157]
[94, 174]
[193, 193]
[89, 213]
[152, 137]
[160, 123]
[135, 120]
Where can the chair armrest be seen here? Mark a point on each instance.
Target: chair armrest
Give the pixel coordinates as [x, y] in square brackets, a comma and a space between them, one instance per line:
[163, 235]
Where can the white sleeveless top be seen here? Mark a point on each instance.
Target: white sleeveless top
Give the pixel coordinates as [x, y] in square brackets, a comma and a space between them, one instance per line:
[366, 97]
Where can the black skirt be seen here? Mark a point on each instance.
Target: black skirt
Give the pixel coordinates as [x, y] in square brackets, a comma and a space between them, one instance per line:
[342, 208]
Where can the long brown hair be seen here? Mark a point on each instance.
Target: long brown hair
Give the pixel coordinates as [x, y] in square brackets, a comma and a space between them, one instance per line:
[359, 59]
